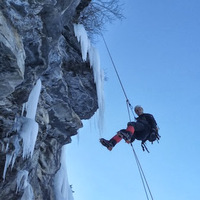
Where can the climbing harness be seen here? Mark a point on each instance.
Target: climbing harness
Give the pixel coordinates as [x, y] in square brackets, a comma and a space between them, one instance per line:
[130, 108]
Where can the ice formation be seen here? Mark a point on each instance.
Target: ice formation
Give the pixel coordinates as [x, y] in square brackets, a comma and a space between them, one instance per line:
[23, 185]
[88, 51]
[63, 190]
[26, 128]
[28, 193]
[22, 177]
[82, 37]
[11, 156]
[28, 132]
[7, 163]
[31, 105]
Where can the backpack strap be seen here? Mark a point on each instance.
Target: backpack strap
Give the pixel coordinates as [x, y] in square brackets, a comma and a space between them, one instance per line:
[143, 143]
[157, 137]
[144, 147]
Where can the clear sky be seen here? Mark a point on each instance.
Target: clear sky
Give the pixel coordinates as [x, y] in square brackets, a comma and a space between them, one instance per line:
[157, 53]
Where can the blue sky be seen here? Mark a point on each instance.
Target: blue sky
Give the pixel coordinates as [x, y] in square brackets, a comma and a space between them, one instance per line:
[156, 50]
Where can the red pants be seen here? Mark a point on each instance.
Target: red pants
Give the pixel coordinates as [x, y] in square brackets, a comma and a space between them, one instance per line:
[117, 139]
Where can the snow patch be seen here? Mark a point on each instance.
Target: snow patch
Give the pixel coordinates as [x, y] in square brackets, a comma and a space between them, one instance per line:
[88, 51]
[62, 188]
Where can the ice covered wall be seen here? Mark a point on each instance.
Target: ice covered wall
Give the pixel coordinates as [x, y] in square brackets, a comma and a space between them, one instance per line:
[40, 61]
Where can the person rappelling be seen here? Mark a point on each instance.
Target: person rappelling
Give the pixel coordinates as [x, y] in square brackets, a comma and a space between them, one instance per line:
[144, 128]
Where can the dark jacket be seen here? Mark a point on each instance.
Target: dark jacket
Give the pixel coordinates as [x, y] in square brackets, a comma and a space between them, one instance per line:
[149, 125]
[147, 120]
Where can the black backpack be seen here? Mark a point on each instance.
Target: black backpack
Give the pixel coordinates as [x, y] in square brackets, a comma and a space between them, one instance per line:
[152, 137]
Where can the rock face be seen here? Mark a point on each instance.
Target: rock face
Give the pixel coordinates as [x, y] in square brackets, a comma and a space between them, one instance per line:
[37, 41]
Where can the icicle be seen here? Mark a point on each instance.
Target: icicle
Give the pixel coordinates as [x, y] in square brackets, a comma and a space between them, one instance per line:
[31, 105]
[23, 184]
[16, 151]
[28, 193]
[63, 190]
[23, 109]
[28, 133]
[27, 128]
[81, 35]
[99, 80]
[11, 157]
[22, 177]
[7, 163]
[88, 49]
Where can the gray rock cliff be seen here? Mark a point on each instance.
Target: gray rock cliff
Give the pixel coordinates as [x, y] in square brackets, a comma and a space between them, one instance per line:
[37, 41]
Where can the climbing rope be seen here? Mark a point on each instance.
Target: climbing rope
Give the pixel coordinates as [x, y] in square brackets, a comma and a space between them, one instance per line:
[142, 175]
[130, 108]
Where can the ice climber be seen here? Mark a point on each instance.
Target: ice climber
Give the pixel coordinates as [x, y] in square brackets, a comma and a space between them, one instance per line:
[145, 128]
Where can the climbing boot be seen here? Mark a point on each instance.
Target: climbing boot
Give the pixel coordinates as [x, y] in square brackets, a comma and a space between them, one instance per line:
[106, 143]
[126, 135]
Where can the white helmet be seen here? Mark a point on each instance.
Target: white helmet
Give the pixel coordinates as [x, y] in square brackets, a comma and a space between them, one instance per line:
[138, 109]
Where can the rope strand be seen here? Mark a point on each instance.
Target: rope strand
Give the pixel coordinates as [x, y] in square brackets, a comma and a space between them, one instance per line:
[114, 67]
[142, 175]
[129, 106]
[128, 103]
